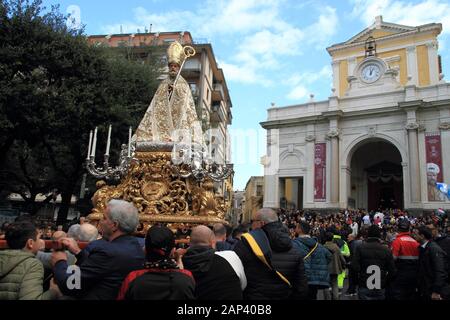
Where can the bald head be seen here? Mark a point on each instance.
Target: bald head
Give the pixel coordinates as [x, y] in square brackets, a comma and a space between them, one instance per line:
[267, 215]
[88, 232]
[202, 236]
[59, 235]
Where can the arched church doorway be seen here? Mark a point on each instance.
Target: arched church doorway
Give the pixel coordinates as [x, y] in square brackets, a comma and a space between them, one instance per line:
[376, 176]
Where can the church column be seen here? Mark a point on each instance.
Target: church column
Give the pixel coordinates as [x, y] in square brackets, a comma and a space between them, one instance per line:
[411, 60]
[444, 127]
[335, 67]
[308, 182]
[282, 192]
[433, 61]
[271, 166]
[294, 192]
[352, 63]
[414, 169]
[333, 135]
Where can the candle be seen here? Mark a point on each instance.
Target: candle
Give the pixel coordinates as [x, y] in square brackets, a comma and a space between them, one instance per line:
[90, 145]
[129, 142]
[94, 143]
[108, 142]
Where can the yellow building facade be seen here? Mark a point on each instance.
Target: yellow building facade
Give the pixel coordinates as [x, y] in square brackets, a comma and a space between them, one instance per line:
[382, 138]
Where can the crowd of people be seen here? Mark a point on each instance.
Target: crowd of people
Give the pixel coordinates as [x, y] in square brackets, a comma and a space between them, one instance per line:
[294, 254]
[412, 253]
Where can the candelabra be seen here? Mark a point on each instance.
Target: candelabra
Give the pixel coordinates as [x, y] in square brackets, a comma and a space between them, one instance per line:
[187, 160]
[200, 166]
[108, 172]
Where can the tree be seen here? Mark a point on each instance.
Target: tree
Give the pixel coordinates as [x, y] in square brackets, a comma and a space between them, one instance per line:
[54, 88]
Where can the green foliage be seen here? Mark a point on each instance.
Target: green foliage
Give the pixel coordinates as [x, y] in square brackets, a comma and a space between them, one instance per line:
[54, 88]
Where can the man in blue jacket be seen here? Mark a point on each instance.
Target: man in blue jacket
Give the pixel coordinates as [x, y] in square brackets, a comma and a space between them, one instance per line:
[102, 269]
[315, 258]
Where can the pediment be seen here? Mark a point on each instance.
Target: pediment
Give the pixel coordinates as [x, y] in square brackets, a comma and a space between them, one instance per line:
[375, 33]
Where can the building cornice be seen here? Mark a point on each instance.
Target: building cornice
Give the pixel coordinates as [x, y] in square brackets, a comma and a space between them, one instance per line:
[412, 105]
[333, 114]
[439, 103]
[418, 30]
[292, 122]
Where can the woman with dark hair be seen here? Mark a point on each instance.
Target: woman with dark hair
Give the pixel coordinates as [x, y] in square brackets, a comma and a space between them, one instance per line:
[162, 277]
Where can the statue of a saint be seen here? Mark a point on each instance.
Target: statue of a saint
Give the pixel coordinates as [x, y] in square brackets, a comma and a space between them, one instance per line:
[171, 116]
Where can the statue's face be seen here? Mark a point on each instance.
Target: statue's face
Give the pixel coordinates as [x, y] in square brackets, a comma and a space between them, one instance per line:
[173, 69]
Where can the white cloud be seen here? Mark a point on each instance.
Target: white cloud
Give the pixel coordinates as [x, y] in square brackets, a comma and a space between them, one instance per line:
[241, 74]
[320, 32]
[240, 16]
[300, 81]
[261, 36]
[298, 92]
[263, 49]
[403, 12]
[310, 77]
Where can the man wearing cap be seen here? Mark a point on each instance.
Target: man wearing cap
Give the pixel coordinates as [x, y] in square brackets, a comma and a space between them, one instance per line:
[406, 255]
[162, 278]
[171, 114]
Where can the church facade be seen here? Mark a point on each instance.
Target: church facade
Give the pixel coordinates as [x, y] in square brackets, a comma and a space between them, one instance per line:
[382, 139]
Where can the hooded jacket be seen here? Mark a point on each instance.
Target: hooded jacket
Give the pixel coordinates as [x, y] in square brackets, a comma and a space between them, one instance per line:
[22, 277]
[373, 253]
[265, 284]
[337, 263]
[316, 264]
[214, 276]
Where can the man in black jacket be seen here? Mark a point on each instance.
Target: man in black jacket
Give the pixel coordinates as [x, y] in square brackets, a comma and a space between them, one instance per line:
[218, 275]
[264, 283]
[432, 272]
[374, 264]
[105, 263]
[443, 241]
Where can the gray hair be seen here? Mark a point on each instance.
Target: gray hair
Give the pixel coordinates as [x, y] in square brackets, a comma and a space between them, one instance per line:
[219, 229]
[125, 214]
[267, 215]
[88, 232]
[74, 231]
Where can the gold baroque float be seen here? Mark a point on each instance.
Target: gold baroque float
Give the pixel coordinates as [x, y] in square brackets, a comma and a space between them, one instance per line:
[153, 185]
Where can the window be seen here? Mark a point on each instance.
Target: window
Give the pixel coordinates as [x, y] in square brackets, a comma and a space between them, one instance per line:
[193, 87]
[259, 191]
[207, 95]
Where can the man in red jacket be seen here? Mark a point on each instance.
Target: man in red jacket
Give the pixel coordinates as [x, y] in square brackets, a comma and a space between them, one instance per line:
[406, 255]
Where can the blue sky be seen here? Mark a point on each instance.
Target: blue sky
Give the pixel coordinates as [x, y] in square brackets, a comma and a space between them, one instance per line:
[270, 50]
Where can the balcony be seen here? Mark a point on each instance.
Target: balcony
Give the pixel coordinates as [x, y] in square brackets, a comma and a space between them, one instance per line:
[191, 68]
[217, 112]
[218, 93]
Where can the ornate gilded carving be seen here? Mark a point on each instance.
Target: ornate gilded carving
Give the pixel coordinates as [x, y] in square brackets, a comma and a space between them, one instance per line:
[160, 194]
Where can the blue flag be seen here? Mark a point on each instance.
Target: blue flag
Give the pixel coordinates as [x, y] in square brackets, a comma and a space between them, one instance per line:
[443, 187]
